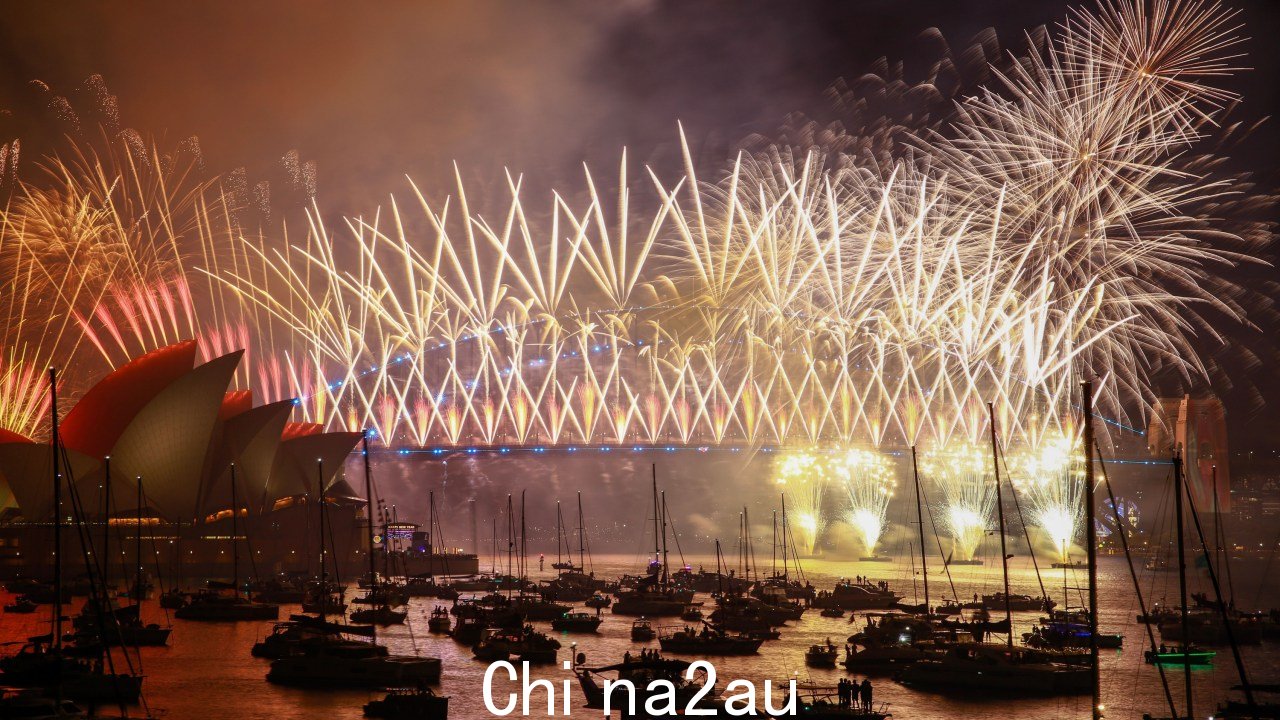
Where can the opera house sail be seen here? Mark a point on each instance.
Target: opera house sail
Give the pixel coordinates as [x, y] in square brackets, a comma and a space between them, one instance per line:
[172, 425]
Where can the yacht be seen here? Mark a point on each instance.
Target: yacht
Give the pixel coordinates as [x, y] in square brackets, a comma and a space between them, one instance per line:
[996, 668]
[329, 662]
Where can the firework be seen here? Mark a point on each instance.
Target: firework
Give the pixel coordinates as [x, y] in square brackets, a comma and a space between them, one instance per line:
[1051, 476]
[797, 298]
[964, 474]
[803, 478]
[868, 480]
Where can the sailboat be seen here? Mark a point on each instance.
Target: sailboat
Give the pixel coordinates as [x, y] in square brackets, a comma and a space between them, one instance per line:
[213, 604]
[332, 658]
[779, 588]
[381, 613]
[44, 662]
[653, 594]
[573, 583]
[124, 624]
[1004, 668]
[561, 563]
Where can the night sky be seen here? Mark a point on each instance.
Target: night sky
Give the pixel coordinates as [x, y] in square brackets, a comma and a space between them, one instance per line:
[374, 91]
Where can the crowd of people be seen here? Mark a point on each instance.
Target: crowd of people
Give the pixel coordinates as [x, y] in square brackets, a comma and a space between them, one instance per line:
[851, 693]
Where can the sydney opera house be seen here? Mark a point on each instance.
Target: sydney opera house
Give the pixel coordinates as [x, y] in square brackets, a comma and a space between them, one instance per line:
[156, 444]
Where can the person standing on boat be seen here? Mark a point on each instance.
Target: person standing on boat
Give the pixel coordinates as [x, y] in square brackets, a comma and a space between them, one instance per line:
[865, 693]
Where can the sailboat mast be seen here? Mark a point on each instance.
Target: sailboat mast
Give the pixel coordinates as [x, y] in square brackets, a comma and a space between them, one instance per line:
[137, 540]
[324, 589]
[773, 547]
[656, 537]
[582, 538]
[369, 506]
[106, 519]
[665, 574]
[785, 573]
[1004, 553]
[56, 640]
[235, 546]
[1182, 575]
[559, 532]
[719, 573]
[1090, 541]
[924, 567]
[511, 542]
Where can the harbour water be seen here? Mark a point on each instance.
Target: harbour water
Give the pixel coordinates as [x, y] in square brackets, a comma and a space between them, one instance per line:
[207, 671]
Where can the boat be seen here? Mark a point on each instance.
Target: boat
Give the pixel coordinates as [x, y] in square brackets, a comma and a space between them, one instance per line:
[336, 663]
[35, 705]
[1207, 628]
[856, 595]
[21, 606]
[322, 598]
[1190, 655]
[995, 668]
[533, 607]
[382, 615]
[417, 703]
[693, 613]
[39, 664]
[469, 630]
[1158, 614]
[641, 672]
[599, 601]
[642, 631]
[1251, 708]
[823, 701]
[212, 606]
[577, 622]
[1015, 603]
[1003, 669]
[286, 638]
[710, 640]
[281, 590]
[875, 558]
[885, 658]
[654, 594]
[1071, 565]
[892, 627]
[651, 603]
[832, 612]
[426, 586]
[118, 627]
[173, 599]
[383, 594]
[440, 620]
[822, 655]
[44, 662]
[524, 644]
[1063, 636]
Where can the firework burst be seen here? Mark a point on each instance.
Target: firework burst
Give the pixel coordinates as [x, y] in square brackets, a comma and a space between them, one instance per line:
[1051, 476]
[868, 480]
[964, 475]
[803, 478]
